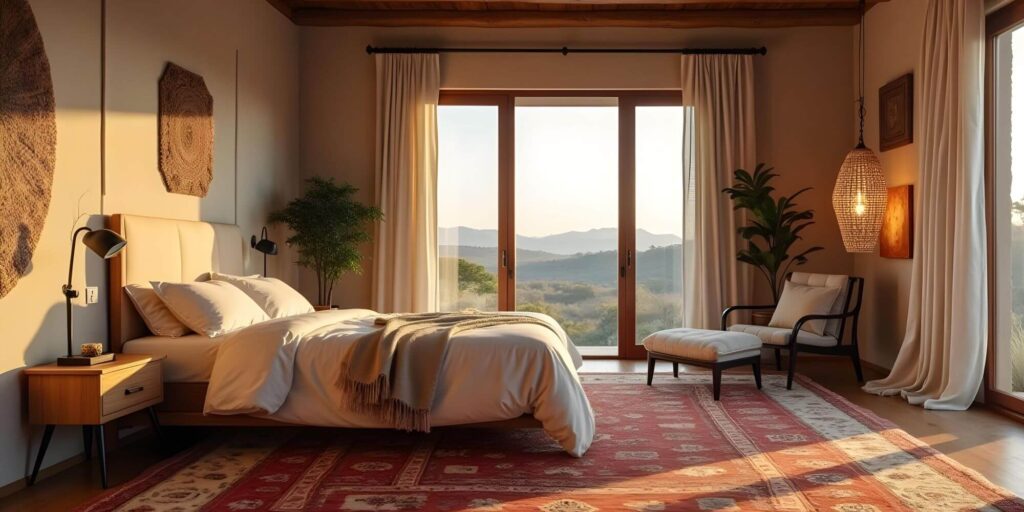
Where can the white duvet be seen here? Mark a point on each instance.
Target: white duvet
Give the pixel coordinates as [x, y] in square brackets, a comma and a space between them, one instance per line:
[287, 369]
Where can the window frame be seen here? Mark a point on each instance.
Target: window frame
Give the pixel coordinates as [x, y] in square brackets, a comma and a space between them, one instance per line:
[997, 23]
[628, 100]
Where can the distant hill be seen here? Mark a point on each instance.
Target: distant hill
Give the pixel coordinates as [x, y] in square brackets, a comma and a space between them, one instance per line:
[568, 243]
[658, 267]
[488, 256]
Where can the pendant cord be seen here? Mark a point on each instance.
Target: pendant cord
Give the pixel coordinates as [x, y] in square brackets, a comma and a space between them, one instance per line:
[861, 109]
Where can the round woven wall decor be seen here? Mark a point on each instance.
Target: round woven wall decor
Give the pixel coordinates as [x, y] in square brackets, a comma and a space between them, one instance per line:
[28, 139]
[186, 132]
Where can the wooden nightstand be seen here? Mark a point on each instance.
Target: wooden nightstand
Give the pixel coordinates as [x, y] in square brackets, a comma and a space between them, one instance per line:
[91, 396]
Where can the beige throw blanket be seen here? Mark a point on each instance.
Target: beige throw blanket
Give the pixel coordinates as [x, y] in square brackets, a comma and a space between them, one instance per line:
[393, 372]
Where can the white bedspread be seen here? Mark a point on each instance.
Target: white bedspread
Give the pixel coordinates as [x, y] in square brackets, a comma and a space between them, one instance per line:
[288, 369]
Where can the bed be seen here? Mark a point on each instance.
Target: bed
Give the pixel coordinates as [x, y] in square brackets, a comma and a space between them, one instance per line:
[511, 376]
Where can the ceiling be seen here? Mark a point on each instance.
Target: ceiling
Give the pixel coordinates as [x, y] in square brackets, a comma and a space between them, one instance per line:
[572, 13]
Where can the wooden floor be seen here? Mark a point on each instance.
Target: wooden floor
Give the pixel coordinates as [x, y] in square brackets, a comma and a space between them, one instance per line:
[980, 439]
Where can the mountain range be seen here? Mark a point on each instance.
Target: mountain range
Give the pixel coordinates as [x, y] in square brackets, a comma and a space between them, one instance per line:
[566, 244]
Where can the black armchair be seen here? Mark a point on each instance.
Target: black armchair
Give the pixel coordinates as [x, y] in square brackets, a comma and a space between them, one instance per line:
[851, 311]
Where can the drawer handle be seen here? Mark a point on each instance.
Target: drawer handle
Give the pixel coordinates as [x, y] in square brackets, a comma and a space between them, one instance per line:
[132, 391]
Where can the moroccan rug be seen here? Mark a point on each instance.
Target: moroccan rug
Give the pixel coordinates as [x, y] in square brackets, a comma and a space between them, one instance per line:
[666, 447]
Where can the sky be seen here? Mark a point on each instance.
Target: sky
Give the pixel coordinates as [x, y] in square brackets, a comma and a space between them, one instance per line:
[566, 161]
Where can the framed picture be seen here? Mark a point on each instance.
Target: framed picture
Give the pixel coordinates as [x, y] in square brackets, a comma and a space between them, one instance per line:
[896, 239]
[896, 113]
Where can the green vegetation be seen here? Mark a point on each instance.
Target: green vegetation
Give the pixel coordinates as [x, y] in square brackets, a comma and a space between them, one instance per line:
[328, 226]
[475, 278]
[578, 291]
[777, 223]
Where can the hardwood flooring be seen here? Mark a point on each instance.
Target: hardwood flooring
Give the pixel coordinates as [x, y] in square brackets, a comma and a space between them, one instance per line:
[981, 439]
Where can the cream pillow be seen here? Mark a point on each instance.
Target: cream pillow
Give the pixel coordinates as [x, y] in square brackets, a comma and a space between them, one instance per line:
[211, 308]
[154, 312]
[276, 298]
[798, 301]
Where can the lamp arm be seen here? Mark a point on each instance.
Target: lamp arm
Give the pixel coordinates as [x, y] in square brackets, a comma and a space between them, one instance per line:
[71, 262]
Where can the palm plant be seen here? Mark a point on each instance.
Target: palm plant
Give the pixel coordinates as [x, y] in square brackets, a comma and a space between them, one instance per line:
[328, 226]
[774, 225]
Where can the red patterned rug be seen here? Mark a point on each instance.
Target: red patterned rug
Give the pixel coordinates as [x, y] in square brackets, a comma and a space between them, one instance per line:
[666, 447]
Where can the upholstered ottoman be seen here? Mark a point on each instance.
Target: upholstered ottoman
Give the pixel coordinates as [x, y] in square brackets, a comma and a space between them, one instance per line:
[716, 350]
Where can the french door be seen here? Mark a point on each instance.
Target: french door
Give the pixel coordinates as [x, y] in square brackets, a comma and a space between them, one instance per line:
[1004, 128]
[567, 203]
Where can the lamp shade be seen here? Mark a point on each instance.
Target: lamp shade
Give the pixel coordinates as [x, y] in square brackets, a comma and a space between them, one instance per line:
[266, 247]
[104, 242]
[859, 200]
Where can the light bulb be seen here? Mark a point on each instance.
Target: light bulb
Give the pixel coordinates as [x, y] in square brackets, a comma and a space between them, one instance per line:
[859, 207]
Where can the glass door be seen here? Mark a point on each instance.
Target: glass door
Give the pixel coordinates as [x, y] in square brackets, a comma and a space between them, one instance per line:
[469, 234]
[1005, 137]
[566, 216]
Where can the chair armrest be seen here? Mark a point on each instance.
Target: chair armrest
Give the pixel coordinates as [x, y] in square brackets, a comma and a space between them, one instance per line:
[807, 318]
[730, 309]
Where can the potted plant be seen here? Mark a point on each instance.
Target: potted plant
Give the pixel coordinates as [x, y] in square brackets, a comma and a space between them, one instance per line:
[328, 225]
[773, 227]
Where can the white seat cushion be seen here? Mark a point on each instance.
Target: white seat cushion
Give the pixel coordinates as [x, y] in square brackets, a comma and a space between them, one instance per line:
[780, 336]
[703, 345]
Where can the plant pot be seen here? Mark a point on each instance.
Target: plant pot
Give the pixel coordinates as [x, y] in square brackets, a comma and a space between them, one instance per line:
[761, 317]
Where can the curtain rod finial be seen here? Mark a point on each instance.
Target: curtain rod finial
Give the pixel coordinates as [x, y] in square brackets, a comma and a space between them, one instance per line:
[369, 49]
[763, 50]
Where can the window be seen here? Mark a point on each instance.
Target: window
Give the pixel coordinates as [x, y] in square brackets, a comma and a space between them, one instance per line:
[565, 203]
[1005, 177]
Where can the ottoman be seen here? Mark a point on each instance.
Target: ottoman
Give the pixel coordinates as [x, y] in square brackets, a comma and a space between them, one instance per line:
[716, 350]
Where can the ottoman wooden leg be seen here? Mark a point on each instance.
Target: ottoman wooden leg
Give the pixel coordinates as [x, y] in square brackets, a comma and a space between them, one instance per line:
[675, 370]
[757, 373]
[650, 369]
[716, 381]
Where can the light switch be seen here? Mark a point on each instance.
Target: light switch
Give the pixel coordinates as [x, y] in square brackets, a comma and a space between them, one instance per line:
[92, 295]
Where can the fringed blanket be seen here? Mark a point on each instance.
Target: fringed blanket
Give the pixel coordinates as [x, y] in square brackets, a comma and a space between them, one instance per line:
[393, 372]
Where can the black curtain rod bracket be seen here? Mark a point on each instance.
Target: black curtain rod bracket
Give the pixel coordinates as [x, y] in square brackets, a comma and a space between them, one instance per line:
[370, 49]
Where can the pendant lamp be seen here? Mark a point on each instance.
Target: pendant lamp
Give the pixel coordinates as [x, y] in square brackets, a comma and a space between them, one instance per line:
[859, 196]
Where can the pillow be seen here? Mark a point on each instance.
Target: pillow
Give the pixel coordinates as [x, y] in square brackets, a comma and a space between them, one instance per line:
[276, 298]
[798, 301]
[211, 308]
[154, 312]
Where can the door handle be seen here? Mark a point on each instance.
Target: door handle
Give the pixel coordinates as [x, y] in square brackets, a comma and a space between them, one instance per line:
[628, 265]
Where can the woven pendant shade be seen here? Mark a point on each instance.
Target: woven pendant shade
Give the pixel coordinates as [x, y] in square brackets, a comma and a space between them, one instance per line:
[859, 200]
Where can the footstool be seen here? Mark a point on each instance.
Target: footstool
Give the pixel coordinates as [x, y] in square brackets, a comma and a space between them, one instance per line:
[717, 350]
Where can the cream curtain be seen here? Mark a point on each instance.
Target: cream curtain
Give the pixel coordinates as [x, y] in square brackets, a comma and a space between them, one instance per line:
[405, 256]
[941, 362]
[720, 90]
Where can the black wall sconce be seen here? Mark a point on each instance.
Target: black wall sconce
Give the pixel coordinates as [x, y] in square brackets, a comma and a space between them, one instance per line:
[265, 246]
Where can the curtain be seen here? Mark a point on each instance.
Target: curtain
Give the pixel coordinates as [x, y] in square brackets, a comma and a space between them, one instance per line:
[941, 361]
[405, 252]
[720, 88]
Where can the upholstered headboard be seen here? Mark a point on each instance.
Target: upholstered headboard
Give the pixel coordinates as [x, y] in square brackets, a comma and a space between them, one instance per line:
[165, 250]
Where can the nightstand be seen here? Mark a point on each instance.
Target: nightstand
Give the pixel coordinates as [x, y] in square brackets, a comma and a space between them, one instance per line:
[91, 396]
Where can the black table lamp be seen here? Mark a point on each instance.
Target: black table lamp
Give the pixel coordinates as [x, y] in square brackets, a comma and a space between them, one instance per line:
[265, 246]
[104, 243]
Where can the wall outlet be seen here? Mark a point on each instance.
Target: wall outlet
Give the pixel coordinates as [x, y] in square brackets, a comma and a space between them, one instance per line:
[92, 295]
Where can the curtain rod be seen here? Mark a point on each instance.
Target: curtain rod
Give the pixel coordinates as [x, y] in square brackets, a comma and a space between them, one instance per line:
[370, 49]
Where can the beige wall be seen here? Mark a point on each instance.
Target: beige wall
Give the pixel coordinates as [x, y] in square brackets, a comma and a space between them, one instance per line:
[141, 38]
[804, 87]
[893, 44]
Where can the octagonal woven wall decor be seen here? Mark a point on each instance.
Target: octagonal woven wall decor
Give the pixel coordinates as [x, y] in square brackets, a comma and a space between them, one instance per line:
[186, 132]
[28, 139]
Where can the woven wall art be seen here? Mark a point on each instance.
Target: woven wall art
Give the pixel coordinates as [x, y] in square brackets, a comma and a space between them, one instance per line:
[186, 132]
[28, 139]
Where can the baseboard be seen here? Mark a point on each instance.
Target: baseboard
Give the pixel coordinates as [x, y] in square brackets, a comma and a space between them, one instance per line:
[114, 443]
[45, 473]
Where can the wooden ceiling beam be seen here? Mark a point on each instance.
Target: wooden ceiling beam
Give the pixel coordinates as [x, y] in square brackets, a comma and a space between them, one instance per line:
[748, 18]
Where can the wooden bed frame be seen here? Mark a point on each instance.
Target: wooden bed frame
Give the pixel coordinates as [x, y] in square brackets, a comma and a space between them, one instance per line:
[183, 401]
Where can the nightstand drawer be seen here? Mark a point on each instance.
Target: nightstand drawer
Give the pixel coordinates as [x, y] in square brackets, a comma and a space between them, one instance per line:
[131, 386]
